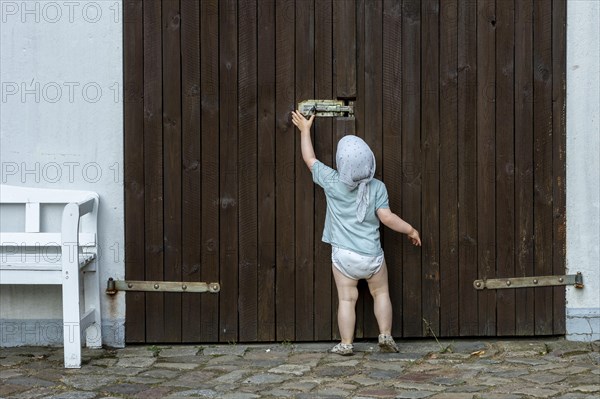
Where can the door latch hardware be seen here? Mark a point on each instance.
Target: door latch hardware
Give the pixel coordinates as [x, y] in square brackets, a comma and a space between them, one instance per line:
[113, 286]
[326, 108]
[528, 282]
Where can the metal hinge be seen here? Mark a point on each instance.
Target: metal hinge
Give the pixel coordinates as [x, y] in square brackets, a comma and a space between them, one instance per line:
[528, 282]
[326, 108]
[113, 286]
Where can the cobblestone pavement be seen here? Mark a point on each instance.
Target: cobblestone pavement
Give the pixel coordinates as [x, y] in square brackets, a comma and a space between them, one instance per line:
[539, 368]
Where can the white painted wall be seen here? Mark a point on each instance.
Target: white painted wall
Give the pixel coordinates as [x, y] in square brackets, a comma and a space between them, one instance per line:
[61, 114]
[583, 167]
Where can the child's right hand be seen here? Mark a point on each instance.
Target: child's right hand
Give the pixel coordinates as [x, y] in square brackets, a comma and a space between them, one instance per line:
[413, 236]
[301, 122]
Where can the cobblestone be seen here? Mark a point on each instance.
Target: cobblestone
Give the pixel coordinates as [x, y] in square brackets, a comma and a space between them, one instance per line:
[475, 369]
[295, 369]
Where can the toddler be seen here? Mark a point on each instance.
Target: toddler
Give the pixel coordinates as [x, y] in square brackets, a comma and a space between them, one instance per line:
[356, 203]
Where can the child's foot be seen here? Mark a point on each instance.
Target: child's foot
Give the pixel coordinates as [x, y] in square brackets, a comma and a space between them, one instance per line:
[343, 349]
[387, 343]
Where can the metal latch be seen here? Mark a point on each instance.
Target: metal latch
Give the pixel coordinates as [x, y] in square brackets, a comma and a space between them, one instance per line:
[326, 108]
[113, 286]
[528, 282]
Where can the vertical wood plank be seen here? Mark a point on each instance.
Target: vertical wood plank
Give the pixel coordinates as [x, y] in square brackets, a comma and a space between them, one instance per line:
[374, 79]
[449, 270]
[191, 163]
[373, 127]
[248, 224]
[524, 313]
[284, 158]
[304, 198]
[135, 323]
[467, 166]
[172, 163]
[486, 168]
[505, 163]
[344, 48]
[559, 16]
[153, 167]
[209, 76]
[392, 149]
[266, 170]
[228, 169]
[542, 126]
[411, 165]
[359, 105]
[430, 147]
[323, 148]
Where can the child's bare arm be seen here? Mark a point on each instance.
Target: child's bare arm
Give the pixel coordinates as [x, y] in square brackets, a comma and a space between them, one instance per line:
[396, 223]
[304, 125]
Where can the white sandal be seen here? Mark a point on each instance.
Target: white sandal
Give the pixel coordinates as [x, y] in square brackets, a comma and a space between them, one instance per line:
[343, 349]
[387, 343]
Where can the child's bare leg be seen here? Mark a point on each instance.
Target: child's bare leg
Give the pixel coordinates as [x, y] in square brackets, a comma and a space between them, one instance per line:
[347, 297]
[378, 286]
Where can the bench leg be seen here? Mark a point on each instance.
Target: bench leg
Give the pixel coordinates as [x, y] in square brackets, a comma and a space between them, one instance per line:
[91, 290]
[71, 319]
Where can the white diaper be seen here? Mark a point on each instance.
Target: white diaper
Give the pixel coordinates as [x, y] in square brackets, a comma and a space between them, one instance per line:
[354, 265]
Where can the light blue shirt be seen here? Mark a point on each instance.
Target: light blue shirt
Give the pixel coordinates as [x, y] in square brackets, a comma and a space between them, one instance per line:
[341, 227]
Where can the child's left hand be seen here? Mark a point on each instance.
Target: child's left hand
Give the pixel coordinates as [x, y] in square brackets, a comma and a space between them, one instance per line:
[414, 237]
[301, 122]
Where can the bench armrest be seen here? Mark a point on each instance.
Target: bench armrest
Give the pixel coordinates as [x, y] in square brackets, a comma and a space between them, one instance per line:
[72, 213]
[86, 206]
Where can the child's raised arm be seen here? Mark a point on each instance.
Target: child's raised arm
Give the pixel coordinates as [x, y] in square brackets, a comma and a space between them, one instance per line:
[304, 125]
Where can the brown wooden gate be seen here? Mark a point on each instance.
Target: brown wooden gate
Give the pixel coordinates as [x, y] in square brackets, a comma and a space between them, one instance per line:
[462, 101]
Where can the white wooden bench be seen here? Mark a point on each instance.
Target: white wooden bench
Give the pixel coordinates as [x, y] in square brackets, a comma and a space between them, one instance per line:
[67, 257]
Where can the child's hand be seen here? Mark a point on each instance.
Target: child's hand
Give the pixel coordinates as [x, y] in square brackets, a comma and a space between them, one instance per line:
[413, 236]
[301, 122]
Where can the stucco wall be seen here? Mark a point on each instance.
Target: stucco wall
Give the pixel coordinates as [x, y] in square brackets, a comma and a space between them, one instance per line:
[583, 167]
[61, 113]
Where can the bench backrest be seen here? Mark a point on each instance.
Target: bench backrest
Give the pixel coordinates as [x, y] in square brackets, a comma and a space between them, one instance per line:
[33, 199]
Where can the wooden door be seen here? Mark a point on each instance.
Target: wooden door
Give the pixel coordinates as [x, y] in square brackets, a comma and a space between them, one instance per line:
[462, 102]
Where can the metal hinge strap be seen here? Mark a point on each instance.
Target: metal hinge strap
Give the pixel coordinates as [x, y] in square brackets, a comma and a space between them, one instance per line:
[113, 286]
[528, 282]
